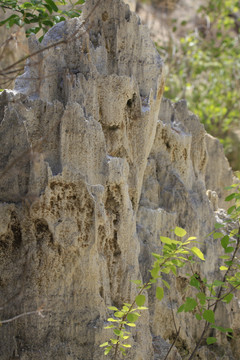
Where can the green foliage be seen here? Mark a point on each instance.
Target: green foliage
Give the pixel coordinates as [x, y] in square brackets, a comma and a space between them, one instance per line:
[205, 295]
[37, 15]
[175, 254]
[204, 68]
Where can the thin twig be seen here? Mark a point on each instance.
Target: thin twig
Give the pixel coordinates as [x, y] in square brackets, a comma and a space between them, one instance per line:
[177, 335]
[199, 341]
[174, 322]
[38, 312]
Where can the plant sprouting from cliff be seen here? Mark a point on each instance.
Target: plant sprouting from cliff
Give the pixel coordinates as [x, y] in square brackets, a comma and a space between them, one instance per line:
[206, 295]
[175, 254]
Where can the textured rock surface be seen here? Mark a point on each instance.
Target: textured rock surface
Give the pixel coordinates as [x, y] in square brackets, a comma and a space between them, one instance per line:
[94, 166]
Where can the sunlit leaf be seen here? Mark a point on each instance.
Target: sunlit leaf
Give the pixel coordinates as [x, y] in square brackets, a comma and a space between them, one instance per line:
[113, 308]
[107, 350]
[179, 231]
[197, 252]
[104, 344]
[119, 314]
[140, 300]
[159, 293]
[166, 284]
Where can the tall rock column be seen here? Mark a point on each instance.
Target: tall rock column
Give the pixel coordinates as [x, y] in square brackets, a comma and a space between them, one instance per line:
[75, 137]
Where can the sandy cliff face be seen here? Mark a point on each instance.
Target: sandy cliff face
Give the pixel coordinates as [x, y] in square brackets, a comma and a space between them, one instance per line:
[94, 166]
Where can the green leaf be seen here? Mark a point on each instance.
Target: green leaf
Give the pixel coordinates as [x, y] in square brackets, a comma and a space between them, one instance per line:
[117, 332]
[230, 197]
[109, 327]
[137, 282]
[140, 300]
[112, 320]
[191, 238]
[222, 329]
[12, 17]
[218, 283]
[119, 314]
[157, 256]
[104, 344]
[234, 232]
[166, 240]
[48, 8]
[159, 293]
[195, 283]
[211, 340]
[222, 268]
[179, 231]
[154, 272]
[198, 317]
[218, 226]
[197, 252]
[113, 308]
[202, 298]
[48, 23]
[208, 315]
[166, 284]
[229, 249]
[107, 350]
[126, 345]
[123, 351]
[152, 281]
[181, 308]
[26, 5]
[173, 269]
[131, 324]
[52, 4]
[190, 304]
[114, 341]
[228, 298]
[231, 187]
[225, 241]
[217, 235]
[142, 308]
[231, 209]
[132, 318]
[178, 263]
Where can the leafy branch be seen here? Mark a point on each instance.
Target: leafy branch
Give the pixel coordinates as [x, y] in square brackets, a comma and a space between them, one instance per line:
[175, 254]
